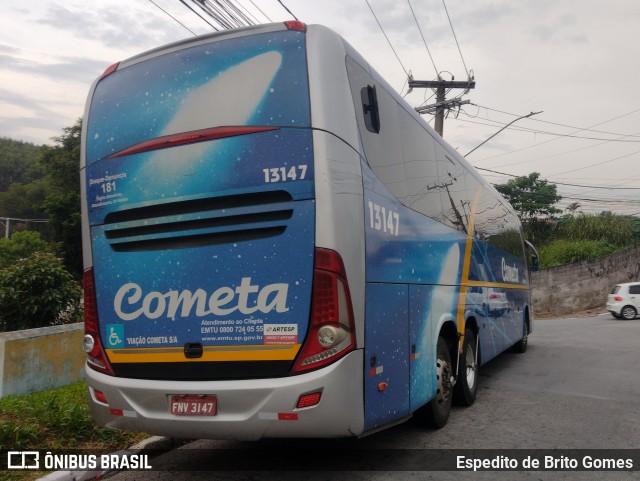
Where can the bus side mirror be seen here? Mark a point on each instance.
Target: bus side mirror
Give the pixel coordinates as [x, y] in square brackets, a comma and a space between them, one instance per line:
[370, 108]
[535, 264]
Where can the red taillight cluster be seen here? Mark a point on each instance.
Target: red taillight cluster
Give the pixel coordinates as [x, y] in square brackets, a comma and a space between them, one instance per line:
[617, 298]
[109, 70]
[96, 357]
[331, 329]
[295, 25]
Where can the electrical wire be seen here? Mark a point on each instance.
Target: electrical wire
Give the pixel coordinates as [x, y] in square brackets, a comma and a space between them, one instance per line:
[423, 39]
[579, 129]
[385, 36]
[456, 38]
[553, 140]
[198, 14]
[555, 134]
[285, 7]
[260, 10]
[598, 163]
[174, 18]
[561, 183]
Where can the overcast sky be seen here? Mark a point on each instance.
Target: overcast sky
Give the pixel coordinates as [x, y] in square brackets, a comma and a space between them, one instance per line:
[577, 61]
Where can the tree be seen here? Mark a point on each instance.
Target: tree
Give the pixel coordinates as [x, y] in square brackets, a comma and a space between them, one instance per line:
[62, 202]
[18, 162]
[21, 245]
[573, 207]
[36, 292]
[531, 196]
[23, 200]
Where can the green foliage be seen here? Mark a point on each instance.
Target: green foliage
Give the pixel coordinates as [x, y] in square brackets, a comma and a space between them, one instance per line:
[615, 230]
[37, 292]
[531, 196]
[18, 162]
[23, 201]
[539, 231]
[635, 227]
[56, 419]
[62, 201]
[44, 182]
[564, 251]
[22, 244]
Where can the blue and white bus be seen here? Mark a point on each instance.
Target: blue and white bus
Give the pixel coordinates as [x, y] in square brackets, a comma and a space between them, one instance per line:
[277, 245]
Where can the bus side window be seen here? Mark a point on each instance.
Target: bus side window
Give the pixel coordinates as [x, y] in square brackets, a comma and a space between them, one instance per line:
[370, 108]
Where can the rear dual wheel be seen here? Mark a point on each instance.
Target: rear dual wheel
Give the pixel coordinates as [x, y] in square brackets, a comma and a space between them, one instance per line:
[466, 386]
[436, 413]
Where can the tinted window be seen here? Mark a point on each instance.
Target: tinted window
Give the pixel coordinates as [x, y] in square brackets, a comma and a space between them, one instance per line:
[254, 80]
[635, 289]
[615, 289]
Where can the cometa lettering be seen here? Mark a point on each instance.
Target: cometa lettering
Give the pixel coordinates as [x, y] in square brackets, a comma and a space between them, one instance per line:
[509, 273]
[131, 302]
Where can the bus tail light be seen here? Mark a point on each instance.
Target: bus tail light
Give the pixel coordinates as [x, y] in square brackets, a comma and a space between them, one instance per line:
[331, 329]
[295, 25]
[92, 345]
[109, 70]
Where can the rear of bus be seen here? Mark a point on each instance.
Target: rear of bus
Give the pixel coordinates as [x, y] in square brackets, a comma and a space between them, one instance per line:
[213, 309]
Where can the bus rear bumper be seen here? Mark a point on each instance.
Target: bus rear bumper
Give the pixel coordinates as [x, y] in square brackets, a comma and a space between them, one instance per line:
[246, 409]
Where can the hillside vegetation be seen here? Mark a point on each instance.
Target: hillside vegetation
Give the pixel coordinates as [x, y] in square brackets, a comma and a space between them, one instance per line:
[581, 237]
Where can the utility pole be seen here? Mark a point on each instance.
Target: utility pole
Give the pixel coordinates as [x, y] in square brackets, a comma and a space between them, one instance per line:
[441, 104]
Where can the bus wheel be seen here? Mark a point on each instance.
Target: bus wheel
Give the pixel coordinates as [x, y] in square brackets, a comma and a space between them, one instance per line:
[521, 345]
[466, 386]
[438, 409]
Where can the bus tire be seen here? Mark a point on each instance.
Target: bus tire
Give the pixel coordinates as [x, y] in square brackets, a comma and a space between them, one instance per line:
[521, 345]
[436, 413]
[466, 388]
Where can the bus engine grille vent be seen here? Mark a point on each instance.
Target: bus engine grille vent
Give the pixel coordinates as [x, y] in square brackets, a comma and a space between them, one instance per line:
[199, 222]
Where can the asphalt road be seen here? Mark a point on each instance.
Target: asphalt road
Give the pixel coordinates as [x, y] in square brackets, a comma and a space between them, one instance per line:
[576, 387]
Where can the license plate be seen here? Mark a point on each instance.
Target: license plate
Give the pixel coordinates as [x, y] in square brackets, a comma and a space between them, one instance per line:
[193, 405]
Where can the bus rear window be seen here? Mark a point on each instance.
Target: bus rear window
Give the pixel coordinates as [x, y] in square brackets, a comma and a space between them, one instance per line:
[254, 80]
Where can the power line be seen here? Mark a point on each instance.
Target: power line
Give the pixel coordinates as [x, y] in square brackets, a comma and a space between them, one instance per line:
[561, 183]
[260, 10]
[225, 13]
[553, 140]
[598, 163]
[423, 39]
[456, 38]
[198, 14]
[555, 134]
[385, 36]
[579, 129]
[174, 18]
[285, 7]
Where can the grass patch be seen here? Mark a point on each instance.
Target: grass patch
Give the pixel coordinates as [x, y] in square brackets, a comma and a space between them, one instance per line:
[561, 252]
[56, 419]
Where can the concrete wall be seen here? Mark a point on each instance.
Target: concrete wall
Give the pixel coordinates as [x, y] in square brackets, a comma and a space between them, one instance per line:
[38, 359]
[583, 285]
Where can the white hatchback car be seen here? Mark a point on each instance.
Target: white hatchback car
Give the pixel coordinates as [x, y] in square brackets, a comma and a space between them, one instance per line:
[624, 300]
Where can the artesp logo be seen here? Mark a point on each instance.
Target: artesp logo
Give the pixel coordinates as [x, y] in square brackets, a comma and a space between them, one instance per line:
[23, 460]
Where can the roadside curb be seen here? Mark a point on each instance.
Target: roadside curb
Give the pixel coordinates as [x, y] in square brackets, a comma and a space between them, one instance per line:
[154, 442]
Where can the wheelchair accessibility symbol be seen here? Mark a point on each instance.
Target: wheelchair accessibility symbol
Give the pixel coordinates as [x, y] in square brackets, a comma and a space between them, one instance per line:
[115, 335]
